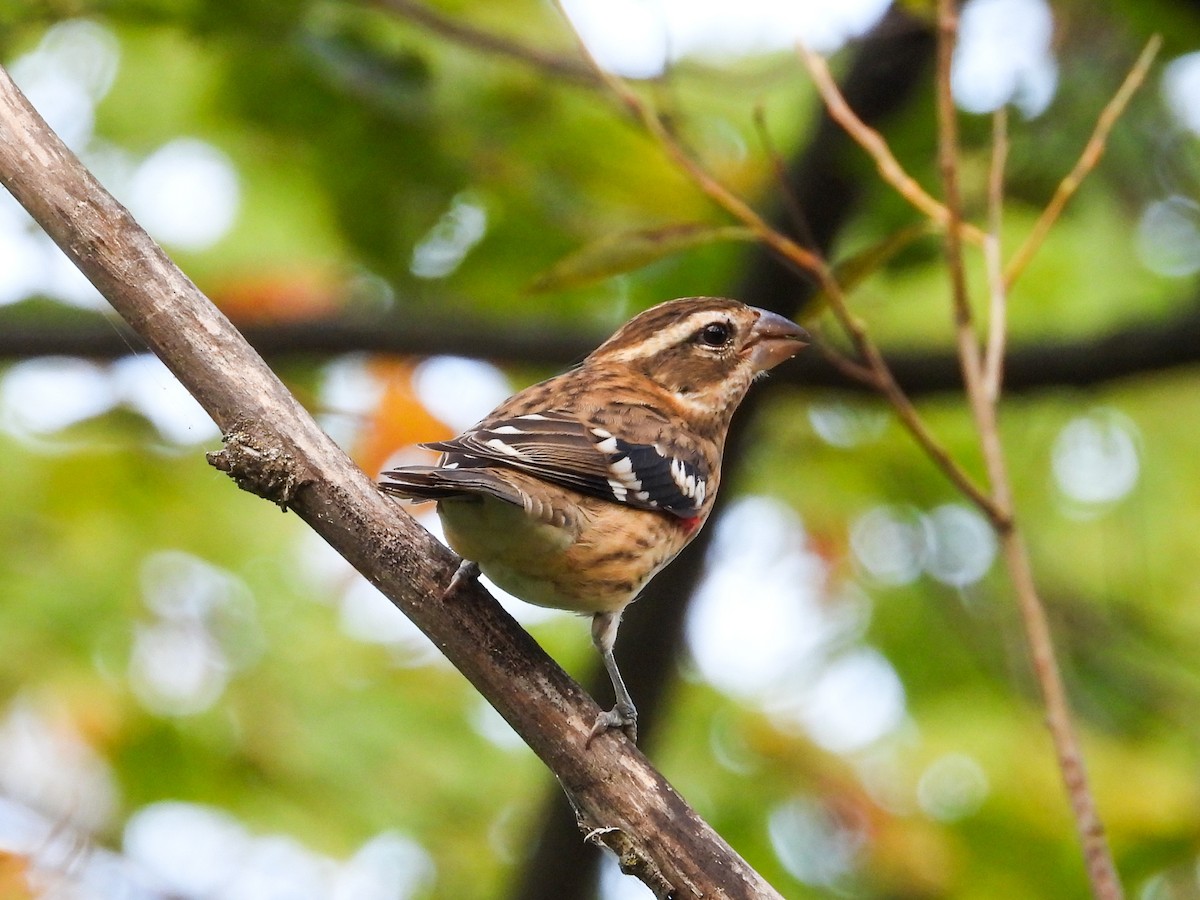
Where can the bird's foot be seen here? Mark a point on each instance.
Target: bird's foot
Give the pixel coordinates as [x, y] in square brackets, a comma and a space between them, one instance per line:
[466, 572]
[620, 716]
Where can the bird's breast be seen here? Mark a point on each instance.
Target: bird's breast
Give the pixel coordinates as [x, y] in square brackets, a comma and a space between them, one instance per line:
[598, 562]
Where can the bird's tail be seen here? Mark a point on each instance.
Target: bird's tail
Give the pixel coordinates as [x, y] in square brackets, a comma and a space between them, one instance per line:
[421, 483]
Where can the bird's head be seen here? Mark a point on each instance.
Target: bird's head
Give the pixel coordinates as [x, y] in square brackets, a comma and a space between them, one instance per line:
[703, 350]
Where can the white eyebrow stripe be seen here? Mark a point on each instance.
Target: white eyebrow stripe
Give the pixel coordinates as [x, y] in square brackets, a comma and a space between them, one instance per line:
[674, 334]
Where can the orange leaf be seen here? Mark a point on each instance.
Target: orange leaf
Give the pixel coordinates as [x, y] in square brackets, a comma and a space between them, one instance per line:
[14, 876]
[281, 296]
[399, 420]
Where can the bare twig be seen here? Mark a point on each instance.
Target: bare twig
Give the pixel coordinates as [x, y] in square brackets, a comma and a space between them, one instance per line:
[1092, 152]
[1101, 870]
[850, 369]
[274, 448]
[1097, 856]
[997, 332]
[790, 202]
[873, 143]
[947, 120]
[806, 259]
[809, 261]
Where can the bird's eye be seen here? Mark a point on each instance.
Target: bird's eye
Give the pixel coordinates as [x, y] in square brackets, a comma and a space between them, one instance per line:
[715, 334]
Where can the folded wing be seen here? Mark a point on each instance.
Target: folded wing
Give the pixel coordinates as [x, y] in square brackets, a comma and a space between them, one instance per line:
[559, 448]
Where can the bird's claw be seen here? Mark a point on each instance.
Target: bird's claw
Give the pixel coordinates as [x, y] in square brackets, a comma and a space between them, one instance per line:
[466, 572]
[624, 718]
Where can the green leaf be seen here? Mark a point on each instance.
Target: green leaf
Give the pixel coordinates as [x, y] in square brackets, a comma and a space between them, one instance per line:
[615, 254]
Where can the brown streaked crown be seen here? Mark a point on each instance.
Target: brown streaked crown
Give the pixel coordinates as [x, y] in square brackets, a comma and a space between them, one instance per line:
[691, 347]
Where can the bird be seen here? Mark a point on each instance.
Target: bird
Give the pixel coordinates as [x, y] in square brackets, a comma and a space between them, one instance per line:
[574, 492]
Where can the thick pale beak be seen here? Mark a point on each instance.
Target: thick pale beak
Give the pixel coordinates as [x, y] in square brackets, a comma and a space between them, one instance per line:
[774, 339]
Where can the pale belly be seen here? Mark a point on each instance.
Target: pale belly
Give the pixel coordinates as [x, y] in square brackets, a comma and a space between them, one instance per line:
[518, 554]
[547, 565]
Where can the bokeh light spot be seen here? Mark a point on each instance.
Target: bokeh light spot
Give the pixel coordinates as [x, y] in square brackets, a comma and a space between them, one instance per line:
[442, 250]
[191, 850]
[186, 194]
[961, 545]
[1168, 237]
[46, 764]
[460, 391]
[639, 40]
[889, 542]
[815, 846]
[756, 616]
[41, 396]
[203, 626]
[847, 425]
[854, 701]
[1003, 56]
[146, 385]
[952, 787]
[1096, 460]
[1181, 87]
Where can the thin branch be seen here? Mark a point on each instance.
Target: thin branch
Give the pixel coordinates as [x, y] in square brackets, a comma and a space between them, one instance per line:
[947, 131]
[725, 198]
[851, 370]
[807, 260]
[964, 326]
[1092, 152]
[887, 66]
[275, 449]
[997, 334]
[488, 42]
[791, 202]
[1098, 859]
[873, 143]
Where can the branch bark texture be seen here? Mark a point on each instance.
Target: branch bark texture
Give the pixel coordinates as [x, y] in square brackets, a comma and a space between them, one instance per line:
[275, 449]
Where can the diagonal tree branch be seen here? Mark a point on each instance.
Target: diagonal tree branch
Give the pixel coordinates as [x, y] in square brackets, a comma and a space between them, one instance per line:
[275, 449]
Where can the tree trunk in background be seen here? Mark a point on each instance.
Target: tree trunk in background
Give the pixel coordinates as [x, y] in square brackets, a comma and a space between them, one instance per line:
[825, 180]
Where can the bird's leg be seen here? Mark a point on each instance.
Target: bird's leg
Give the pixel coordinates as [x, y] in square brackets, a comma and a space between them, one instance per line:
[466, 572]
[624, 714]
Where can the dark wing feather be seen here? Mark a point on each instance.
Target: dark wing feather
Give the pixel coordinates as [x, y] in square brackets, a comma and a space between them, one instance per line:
[438, 483]
[553, 447]
[586, 457]
[675, 483]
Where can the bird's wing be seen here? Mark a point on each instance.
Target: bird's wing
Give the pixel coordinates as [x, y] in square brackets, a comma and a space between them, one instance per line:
[585, 456]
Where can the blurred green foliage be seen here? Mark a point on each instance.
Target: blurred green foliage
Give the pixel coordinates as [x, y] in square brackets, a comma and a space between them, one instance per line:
[355, 136]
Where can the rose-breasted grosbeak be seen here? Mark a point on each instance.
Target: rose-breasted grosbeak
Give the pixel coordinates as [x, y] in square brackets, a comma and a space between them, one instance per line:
[573, 493]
